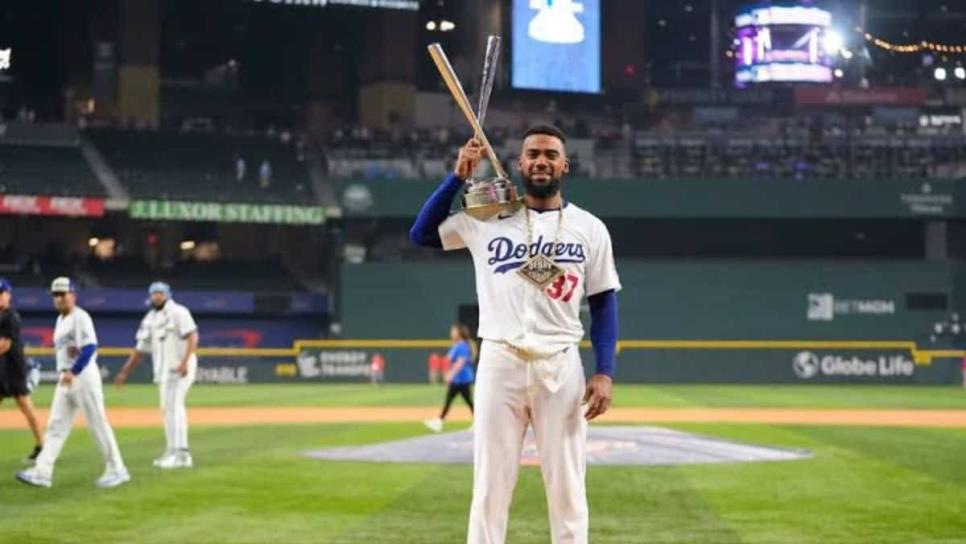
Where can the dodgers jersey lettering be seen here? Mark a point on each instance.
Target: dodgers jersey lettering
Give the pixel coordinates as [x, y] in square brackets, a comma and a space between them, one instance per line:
[513, 310]
[74, 330]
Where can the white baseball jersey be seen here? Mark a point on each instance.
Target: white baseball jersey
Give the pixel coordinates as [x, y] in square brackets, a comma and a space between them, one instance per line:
[163, 334]
[514, 310]
[74, 330]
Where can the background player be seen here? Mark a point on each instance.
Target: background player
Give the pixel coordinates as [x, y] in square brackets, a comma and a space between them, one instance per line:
[75, 344]
[13, 366]
[460, 375]
[168, 332]
[530, 371]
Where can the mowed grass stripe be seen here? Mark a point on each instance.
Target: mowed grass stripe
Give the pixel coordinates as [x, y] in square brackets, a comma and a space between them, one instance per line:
[251, 485]
[845, 493]
[626, 395]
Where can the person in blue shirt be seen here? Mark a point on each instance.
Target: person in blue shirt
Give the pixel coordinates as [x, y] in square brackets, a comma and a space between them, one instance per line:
[460, 377]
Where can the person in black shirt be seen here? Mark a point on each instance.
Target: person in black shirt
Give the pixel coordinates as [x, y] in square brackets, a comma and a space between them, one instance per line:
[13, 366]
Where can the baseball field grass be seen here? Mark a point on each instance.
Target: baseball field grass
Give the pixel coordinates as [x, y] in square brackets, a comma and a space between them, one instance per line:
[250, 484]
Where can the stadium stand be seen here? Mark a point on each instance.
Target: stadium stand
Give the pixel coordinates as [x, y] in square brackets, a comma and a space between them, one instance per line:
[202, 166]
[267, 275]
[46, 170]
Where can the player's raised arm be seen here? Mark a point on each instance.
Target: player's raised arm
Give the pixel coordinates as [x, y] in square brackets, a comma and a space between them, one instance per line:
[425, 230]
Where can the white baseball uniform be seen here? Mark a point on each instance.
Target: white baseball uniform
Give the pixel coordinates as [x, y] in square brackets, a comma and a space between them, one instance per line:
[163, 334]
[72, 332]
[530, 371]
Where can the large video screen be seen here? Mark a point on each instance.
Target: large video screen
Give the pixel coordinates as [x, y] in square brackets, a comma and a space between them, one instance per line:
[556, 45]
[783, 44]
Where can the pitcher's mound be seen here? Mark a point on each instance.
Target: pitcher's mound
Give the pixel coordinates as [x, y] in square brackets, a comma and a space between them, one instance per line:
[616, 445]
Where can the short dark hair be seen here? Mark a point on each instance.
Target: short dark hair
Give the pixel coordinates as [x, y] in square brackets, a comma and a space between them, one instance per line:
[548, 130]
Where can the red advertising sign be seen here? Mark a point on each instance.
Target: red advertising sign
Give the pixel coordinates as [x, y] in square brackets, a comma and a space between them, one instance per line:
[51, 205]
[897, 96]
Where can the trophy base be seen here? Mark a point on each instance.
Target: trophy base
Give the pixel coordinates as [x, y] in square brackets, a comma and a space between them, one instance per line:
[487, 211]
[484, 199]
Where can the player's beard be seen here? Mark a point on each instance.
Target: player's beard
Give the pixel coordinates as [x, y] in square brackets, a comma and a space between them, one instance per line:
[542, 190]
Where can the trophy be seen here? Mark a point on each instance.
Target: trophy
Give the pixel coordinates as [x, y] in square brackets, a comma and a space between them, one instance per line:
[483, 198]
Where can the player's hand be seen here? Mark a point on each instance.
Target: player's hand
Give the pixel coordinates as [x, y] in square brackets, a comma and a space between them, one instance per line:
[67, 378]
[598, 396]
[120, 378]
[469, 158]
[183, 369]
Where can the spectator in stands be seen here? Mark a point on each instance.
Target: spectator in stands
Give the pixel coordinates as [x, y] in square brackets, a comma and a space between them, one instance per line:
[240, 168]
[265, 174]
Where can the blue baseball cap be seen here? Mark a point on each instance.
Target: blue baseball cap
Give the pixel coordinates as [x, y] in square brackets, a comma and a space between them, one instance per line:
[5, 285]
[160, 287]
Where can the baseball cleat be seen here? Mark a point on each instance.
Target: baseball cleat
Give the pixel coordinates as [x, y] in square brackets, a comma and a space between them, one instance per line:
[435, 424]
[32, 458]
[160, 460]
[180, 459]
[34, 478]
[185, 459]
[113, 479]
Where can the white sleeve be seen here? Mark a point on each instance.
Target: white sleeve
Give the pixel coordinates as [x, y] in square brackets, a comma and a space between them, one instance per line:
[601, 270]
[84, 332]
[458, 231]
[185, 322]
[143, 336]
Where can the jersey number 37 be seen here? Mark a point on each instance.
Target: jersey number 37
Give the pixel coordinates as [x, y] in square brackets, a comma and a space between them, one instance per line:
[564, 287]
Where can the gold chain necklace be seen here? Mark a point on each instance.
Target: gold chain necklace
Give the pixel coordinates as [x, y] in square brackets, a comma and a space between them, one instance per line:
[540, 269]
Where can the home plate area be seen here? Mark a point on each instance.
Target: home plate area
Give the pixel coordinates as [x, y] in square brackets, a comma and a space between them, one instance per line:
[607, 445]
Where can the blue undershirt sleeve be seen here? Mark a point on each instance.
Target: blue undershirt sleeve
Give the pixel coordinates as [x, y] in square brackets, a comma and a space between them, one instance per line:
[425, 230]
[86, 353]
[603, 330]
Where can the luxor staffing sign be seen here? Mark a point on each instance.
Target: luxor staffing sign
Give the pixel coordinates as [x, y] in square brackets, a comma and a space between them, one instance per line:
[227, 213]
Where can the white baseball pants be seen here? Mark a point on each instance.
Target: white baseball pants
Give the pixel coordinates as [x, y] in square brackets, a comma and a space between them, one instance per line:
[87, 395]
[512, 393]
[173, 392]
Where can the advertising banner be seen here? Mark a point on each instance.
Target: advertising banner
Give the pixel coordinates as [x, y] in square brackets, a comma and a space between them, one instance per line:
[219, 212]
[899, 96]
[51, 205]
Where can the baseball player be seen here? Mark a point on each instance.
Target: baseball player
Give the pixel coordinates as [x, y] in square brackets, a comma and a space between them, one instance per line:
[79, 388]
[533, 266]
[170, 335]
[14, 370]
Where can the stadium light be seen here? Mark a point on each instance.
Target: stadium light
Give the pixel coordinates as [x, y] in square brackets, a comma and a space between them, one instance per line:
[187, 245]
[940, 74]
[832, 42]
[960, 72]
[431, 25]
[93, 242]
[446, 26]
[838, 72]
